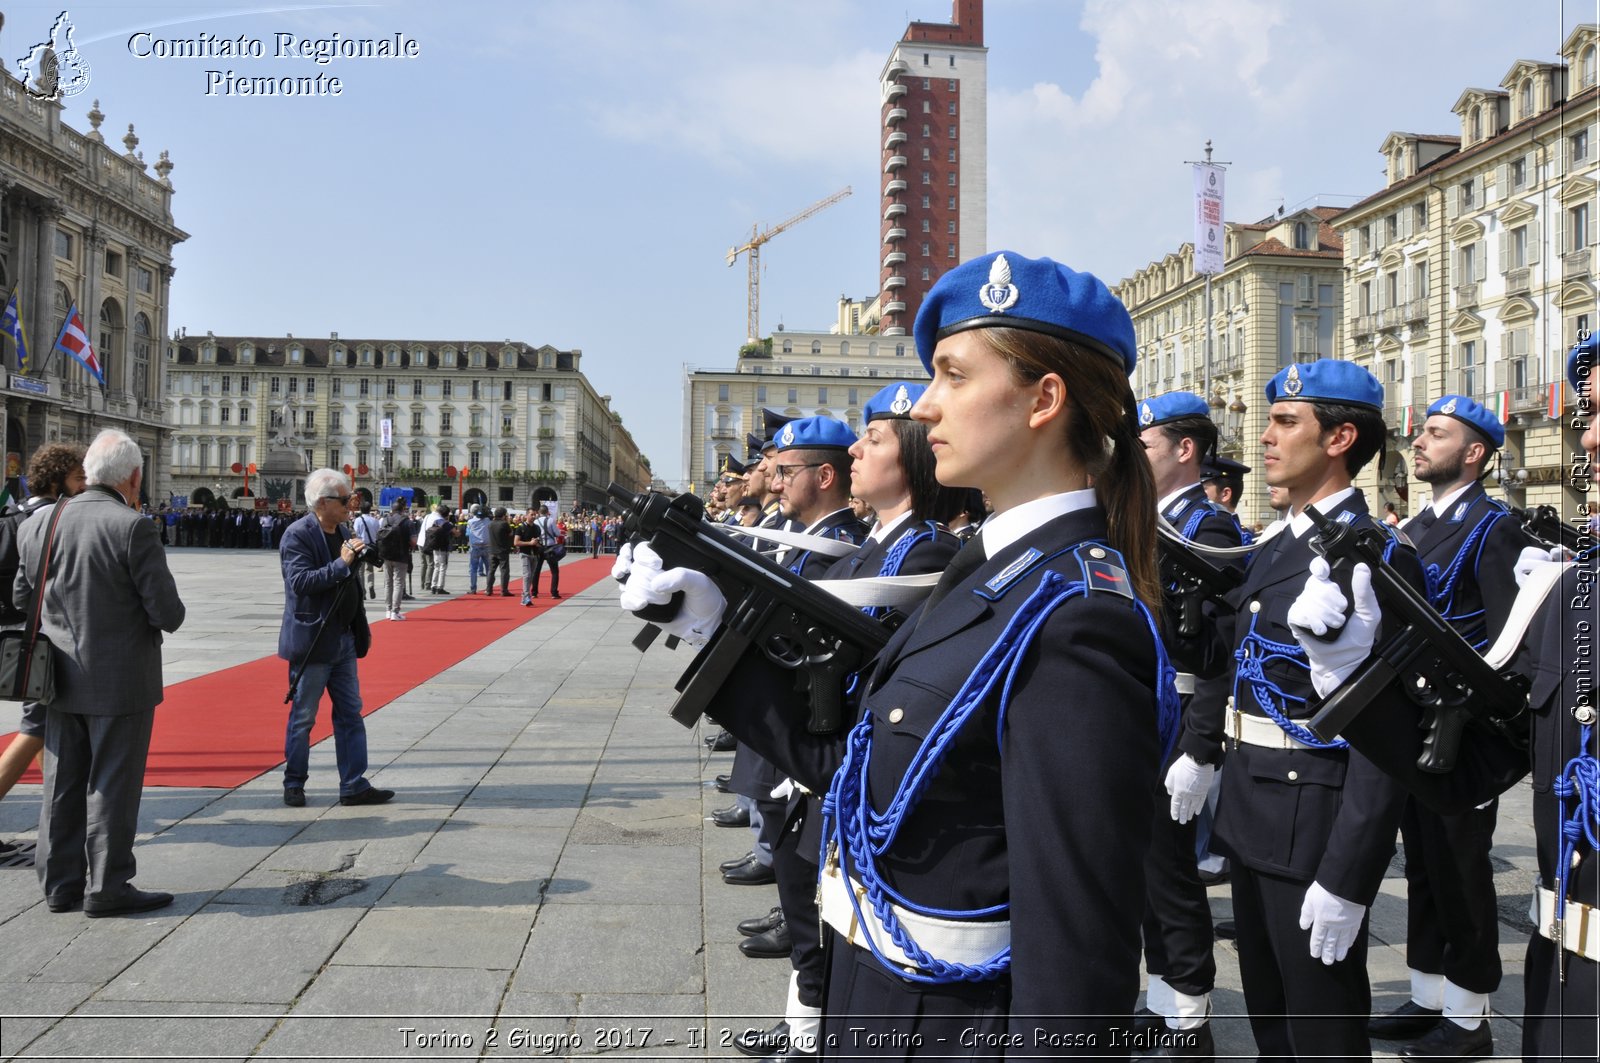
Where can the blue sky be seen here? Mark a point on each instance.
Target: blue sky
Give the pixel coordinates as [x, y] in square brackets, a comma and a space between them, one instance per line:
[573, 173]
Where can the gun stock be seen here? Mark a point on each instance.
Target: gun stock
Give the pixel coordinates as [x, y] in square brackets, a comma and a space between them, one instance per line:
[1196, 579]
[1439, 669]
[819, 638]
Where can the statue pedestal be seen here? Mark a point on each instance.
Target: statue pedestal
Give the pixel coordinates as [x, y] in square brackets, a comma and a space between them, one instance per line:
[283, 475]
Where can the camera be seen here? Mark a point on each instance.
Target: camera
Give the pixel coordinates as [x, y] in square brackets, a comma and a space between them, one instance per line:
[366, 553]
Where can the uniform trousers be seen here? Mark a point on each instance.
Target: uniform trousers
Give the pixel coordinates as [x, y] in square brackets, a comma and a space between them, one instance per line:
[1452, 926]
[1177, 914]
[796, 872]
[93, 780]
[865, 1003]
[1560, 1021]
[1300, 1007]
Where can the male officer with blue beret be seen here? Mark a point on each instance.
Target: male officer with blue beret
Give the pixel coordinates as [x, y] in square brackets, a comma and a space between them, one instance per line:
[1179, 437]
[1469, 544]
[1561, 972]
[1307, 825]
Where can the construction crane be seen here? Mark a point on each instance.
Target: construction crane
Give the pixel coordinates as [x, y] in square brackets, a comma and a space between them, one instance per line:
[753, 247]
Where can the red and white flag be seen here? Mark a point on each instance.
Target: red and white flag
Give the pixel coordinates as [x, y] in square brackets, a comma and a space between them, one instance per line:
[74, 340]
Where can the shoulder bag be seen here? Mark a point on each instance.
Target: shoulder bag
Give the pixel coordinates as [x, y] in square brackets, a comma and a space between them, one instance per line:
[27, 657]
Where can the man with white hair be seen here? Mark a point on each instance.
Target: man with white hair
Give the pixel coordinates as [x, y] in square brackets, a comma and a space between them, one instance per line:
[108, 596]
[324, 632]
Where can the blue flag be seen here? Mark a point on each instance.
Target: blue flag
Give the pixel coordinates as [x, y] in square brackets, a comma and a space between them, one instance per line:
[11, 325]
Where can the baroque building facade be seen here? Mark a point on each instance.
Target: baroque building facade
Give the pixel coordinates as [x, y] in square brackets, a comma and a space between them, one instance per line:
[523, 422]
[85, 225]
[1474, 269]
[1277, 300]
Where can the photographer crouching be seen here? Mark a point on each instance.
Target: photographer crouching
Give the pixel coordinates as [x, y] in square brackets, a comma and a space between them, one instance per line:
[324, 633]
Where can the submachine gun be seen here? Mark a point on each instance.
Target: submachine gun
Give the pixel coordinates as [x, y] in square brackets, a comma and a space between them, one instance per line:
[1194, 579]
[1543, 524]
[1441, 671]
[821, 639]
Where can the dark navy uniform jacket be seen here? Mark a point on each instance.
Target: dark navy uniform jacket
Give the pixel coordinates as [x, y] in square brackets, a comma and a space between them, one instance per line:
[1051, 813]
[1558, 657]
[1302, 814]
[1472, 572]
[1196, 517]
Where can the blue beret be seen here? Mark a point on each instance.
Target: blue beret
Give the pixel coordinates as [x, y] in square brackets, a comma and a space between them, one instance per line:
[894, 401]
[1581, 359]
[1327, 380]
[1005, 289]
[1220, 465]
[1472, 413]
[1171, 407]
[815, 433]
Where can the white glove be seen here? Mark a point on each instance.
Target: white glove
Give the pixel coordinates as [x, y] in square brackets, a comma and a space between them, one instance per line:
[1319, 610]
[1188, 781]
[1533, 558]
[1333, 921]
[619, 571]
[703, 604]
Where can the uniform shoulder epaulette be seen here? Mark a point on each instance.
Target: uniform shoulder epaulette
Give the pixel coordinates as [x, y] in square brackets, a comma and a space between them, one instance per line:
[1100, 569]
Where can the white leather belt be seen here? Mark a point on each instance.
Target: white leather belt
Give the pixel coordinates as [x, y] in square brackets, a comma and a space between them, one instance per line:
[1260, 731]
[1580, 928]
[952, 940]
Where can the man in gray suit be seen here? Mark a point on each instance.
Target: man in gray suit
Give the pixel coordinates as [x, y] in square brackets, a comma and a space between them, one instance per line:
[108, 596]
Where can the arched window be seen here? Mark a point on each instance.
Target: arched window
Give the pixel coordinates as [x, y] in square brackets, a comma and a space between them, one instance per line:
[1586, 71]
[1302, 236]
[1525, 99]
[788, 346]
[140, 362]
[109, 345]
[816, 346]
[1477, 124]
[844, 347]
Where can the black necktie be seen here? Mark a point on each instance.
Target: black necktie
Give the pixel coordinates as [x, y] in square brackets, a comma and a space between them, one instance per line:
[1419, 525]
[968, 560]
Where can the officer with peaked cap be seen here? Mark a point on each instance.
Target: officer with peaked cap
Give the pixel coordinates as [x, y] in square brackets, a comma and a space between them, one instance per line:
[1307, 826]
[1179, 437]
[1002, 768]
[892, 469]
[1561, 972]
[1223, 478]
[1470, 544]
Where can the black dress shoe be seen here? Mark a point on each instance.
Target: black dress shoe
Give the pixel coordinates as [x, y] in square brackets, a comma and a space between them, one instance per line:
[1182, 1044]
[729, 865]
[370, 796]
[751, 874]
[732, 816]
[294, 796]
[722, 742]
[1224, 930]
[1449, 1041]
[774, 944]
[64, 904]
[1405, 1022]
[793, 1055]
[129, 902]
[761, 923]
[1213, 878]
[721, 783]
[764, 1042]
[1145, 1019]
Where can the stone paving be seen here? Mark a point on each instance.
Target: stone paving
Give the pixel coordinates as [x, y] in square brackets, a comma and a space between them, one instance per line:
[544, 885]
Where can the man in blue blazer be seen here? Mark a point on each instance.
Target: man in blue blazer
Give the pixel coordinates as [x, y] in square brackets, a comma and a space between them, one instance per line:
[324, 632]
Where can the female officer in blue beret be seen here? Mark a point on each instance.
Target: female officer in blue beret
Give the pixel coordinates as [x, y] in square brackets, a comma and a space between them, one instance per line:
[988, 814]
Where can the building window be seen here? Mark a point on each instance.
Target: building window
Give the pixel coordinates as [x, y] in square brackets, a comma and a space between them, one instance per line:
[1469, 263]
[416, 458]
[294, 385]
[816, 346]
[505, 460]
[311, 385]
[924, 201]
[926, 225]
[1586, 69]
[822, 396]
[1466, 192]
[449, 389]
[1302, 240]
[1419, 281]
[951, 226]
[1578, 226]
[952, 132]
[364, 390]
[64, 240]
[1519, 247]
[952, 107]
[900, 350]
[952, 155]
[1525, 98]
[445, 417]
[926, 251]
[391, 356]
[927, 274]
[144, 280]
[244, 415]
[954, 84]
[952, 179]
[924, 58]
[336, 421]
[309, 421]
[1519, 172]
[444, 457]
[275, 386]
[927, 178]
[389, 388]
[952, 252]
[416, 422]
[1468, 367]
[1419, 216]
[794, 396]
[363, 422]
[761, 393]
[952, 202]
[926, 107]
[925, 154]
[366, 356]
[925, 131]
[1578, 143]
[113, 263]
[475, 459]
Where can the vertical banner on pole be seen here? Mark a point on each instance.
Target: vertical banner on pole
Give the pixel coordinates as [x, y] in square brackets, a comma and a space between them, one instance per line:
[1208, 228]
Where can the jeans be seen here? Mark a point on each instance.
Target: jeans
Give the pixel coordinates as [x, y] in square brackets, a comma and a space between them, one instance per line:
[338, 678]
[530, 582]
[441, 562]
[394, 585]
[477, 564]
[427, 570]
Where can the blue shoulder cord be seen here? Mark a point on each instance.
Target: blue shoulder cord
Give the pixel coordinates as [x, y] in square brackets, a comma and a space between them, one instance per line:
[1442, 584]
[859, 834]
[1253, 655]
[1579, 779]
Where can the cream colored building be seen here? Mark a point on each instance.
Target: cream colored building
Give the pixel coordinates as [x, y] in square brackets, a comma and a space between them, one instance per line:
[82, 224]
[1277, 300]
[524, 420]
[1474, 269]
[796, 373]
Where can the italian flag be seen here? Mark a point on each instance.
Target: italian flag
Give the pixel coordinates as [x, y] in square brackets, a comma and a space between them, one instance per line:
[1410, 428]
[1502, 406]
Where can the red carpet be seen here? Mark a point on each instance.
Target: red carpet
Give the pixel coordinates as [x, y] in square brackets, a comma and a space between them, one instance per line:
[226, 728]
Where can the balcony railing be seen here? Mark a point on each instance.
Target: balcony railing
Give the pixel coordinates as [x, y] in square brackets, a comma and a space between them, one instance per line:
[895, 115]
[1417, 310]
[1532, 397]
[1467, 294]
[893, 235]
[894, 163]
[892, 187]
[1518, 281]
[1392, 317]
[1363, 324]
[1575, 264]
